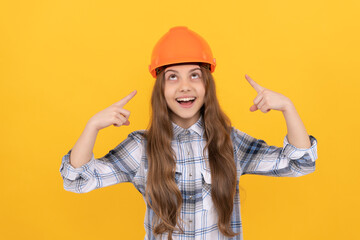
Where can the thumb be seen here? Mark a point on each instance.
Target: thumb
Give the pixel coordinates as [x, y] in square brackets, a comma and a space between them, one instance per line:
[253, 108]
[127, 123]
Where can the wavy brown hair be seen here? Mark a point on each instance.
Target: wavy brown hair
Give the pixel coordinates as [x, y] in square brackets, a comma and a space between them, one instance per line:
[162, 193]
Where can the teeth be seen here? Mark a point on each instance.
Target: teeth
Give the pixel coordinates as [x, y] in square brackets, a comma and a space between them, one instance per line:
[185, 99]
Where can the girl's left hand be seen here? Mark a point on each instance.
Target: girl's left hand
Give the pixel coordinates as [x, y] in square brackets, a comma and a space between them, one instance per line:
[267, 99]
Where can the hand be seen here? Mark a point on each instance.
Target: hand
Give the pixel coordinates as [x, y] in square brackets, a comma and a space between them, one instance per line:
[267, 99]
[115, 114]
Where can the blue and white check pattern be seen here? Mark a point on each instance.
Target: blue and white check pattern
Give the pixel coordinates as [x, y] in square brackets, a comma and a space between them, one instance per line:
[127, 162]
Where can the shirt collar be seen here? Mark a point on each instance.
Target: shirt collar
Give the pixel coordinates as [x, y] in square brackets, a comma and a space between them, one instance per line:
[197, 128]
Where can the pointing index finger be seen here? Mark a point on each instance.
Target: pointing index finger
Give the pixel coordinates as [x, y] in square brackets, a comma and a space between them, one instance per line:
[256, 86]
[126, 99]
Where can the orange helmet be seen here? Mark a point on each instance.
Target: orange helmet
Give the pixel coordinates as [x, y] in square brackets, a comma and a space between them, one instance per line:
[180, 45]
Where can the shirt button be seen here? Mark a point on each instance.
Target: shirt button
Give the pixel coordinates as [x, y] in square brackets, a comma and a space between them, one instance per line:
[188, 153]
[190, 175]
[187, 132]
[191, 197]
[190, 221]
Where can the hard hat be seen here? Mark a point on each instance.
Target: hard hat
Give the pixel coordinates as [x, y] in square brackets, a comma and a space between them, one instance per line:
[180, 45]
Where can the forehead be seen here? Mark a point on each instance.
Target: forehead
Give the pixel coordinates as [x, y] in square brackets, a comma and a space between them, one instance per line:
[182, 67]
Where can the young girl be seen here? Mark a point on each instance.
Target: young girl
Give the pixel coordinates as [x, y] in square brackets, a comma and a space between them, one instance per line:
[188, 163]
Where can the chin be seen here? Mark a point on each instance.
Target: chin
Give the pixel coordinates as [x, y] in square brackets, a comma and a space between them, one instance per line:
[183, 117]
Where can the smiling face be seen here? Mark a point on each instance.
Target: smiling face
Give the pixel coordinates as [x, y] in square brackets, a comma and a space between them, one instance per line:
[184, 92]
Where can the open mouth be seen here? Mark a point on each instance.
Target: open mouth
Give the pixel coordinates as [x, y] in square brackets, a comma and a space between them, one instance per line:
[186, 102]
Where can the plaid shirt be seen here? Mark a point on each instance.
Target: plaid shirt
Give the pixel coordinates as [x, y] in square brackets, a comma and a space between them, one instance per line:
[127, 162]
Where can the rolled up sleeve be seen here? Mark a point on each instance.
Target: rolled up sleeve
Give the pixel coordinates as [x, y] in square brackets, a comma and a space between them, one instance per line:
[118, 165]
[255, 156]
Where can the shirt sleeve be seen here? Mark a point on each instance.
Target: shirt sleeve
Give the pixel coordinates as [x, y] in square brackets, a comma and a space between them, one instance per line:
[255, 156]
[118, 165]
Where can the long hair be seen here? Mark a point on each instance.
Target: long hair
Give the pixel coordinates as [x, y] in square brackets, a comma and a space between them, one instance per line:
[162, 193]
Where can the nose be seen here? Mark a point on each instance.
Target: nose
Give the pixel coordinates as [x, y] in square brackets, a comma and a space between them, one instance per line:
[184, 85]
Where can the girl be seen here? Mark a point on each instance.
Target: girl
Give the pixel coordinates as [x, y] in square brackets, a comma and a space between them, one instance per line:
[187, 164]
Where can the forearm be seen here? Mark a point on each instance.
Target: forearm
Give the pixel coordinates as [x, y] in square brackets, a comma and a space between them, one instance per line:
[82, 151]
[297, 134]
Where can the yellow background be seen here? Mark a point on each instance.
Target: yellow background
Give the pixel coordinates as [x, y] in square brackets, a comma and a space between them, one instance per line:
[61, 62]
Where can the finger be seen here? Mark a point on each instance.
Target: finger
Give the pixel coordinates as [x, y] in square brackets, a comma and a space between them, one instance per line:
[265, 109]
[117, 122]
[261, 104]
[253, 108]
[256, 86]
[124, 112]
[121, 122]
[126, 99]
[120, 119]
[258, 98]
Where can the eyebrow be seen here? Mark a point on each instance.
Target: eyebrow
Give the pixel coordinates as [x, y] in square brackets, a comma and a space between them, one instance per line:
[178, 72]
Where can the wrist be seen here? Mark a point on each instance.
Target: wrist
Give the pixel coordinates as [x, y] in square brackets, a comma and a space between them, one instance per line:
[289, 106]
[91, 126]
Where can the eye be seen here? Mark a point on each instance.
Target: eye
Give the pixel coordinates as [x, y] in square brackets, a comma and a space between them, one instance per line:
[196, 74]
[172, 75]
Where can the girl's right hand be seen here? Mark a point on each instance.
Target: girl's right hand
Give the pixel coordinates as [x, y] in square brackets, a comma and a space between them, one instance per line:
[113, 115]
